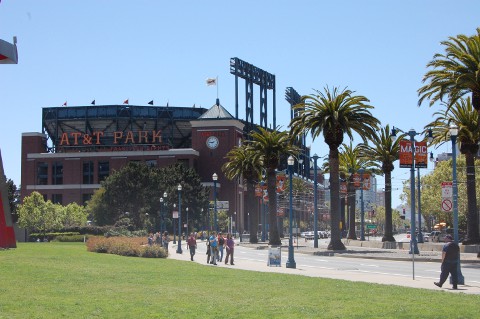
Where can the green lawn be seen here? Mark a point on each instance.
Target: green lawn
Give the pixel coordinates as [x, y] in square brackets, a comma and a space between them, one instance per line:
[63, 280]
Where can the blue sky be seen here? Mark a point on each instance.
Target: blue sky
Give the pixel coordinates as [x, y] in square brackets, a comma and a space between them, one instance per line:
[78, 51]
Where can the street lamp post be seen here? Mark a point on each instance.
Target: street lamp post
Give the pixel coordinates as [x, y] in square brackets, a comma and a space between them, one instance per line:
[161, 214]
[179, 248]
[164, 228]
[453, 137]
[215, 178]
[315, 202]
[362, 211]
[291, 261]
[412, 134]
[174, 232]
[187, 223]
[420, 235]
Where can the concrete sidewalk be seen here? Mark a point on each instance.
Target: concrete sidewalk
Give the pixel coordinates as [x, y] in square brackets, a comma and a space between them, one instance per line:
[351, 252]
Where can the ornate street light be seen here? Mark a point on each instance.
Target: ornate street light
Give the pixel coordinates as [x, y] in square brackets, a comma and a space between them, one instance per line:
[215, 178]
[412, 134]
[362, 211]
[453, 137]
[161, 214]
[179, 248]
[291, 261]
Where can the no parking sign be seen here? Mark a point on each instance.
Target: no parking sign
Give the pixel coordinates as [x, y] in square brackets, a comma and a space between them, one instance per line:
[447, 196]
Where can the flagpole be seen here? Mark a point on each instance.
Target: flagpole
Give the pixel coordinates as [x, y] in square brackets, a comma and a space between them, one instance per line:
[217, 85]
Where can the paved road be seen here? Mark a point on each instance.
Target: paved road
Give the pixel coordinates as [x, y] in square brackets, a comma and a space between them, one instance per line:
[357, 264]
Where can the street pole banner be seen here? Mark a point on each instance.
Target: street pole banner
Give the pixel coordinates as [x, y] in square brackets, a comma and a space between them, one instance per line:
[405, 154]
[357, 181]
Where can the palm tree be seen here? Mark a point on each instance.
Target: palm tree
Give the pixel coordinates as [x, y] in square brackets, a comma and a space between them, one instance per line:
[454, 73]
[351, 162]
[462, 115]
[384, 150]
[271, 146]
[334, 113]
[243, 162]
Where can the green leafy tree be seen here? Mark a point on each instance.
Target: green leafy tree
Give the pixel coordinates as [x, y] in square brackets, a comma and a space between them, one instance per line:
[72, 215]
[134, 192]
[462, 115]
[334, 113]
[13, 198]
[454, 73]
[243, 162]
[431, 188]
[385, 151]
[37, 215]
[272, 146]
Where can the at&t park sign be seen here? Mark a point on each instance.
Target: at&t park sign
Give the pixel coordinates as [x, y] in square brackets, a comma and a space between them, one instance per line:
[113, 141]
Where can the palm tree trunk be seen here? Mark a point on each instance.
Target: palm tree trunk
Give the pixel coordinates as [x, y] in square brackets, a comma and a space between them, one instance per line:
[252, 211]
[336, 239]
[274, 236]
[351, 208]
[472, 214]
[388, 235]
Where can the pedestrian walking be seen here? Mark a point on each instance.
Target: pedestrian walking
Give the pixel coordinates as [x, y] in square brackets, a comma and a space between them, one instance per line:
[213, 248]
[450, 257]
[229, 245]
[209, 252]
[165, 240]
[221, 245]
[192, 245]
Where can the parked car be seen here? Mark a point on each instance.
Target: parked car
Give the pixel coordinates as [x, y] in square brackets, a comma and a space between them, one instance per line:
[437, 236]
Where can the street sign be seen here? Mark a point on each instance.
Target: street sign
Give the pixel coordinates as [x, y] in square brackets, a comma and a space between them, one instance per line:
[447, 205]
[175, 214]
[371, 226]
[447, 197]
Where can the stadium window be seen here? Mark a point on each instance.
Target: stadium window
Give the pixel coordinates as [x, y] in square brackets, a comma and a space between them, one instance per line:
[57, 173]
[88, 172]
[42, 173]
[103, 170]
[57, 198]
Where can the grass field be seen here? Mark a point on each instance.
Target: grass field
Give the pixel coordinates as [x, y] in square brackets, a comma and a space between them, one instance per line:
[63, 280]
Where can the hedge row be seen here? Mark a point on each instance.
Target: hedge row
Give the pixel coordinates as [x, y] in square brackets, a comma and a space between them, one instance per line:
[125, 246]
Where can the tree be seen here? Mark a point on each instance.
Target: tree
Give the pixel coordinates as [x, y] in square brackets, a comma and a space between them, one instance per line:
[333, 113]
[454, 73]
[431, 189]
[13, 198]
[134, 192]
[244, 163]
[385, 151]
[351, 162]
[37, 215]
[271, 146]
[462, 115]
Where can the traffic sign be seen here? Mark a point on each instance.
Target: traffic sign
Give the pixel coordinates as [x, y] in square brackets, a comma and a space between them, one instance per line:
[371, 226]
[447, 190]
[447, 205]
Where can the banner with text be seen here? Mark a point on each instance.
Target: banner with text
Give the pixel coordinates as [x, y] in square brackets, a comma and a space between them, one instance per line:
[421, 155]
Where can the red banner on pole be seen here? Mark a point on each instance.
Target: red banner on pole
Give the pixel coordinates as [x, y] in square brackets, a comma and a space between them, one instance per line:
[405, 154]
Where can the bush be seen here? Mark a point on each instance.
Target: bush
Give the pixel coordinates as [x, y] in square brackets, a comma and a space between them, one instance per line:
[125, 246]
[71, 238]
[154, 251]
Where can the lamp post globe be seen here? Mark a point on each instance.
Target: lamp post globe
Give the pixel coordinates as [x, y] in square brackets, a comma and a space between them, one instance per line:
[179, 248]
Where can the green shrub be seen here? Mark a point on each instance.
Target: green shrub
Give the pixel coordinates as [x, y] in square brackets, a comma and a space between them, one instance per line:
[154, 251]
[71, 238]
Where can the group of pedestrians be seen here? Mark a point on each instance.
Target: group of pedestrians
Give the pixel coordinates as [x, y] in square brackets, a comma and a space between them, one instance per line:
[159, 239]
[216, 244]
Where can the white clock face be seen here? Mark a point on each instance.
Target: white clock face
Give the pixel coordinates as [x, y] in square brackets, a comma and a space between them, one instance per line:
[212, 142]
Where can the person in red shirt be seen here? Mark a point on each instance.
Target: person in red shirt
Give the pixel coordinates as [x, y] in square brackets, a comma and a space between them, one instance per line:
[192, 245]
